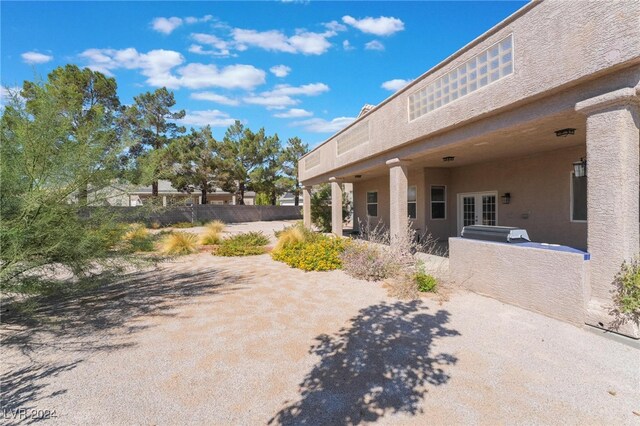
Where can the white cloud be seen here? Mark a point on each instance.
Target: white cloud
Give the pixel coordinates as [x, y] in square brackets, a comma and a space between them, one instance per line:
[158, 65]
[194, 20]
[335, 26]
[271, 101]
[347, 46]
[320, 125]
[294, 113]
[209, 117]
[35, 58]
[312, 89]
[166, 25]
[214, 97]
[222, 47]
[280, 70]
[308, 43]
[374, 45]
[197, 76]
[382, 26]
[395, 84]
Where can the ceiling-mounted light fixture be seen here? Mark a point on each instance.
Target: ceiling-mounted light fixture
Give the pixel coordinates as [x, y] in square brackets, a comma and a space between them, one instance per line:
[448, 159]
[563, 133]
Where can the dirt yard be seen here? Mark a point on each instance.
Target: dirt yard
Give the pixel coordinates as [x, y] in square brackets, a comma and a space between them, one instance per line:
[209, 340]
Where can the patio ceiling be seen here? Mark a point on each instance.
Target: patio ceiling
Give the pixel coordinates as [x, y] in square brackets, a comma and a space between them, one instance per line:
[519, 141]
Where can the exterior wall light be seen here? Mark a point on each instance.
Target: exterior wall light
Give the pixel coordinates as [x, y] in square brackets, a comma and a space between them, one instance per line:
[580, 168]
[448, 159]
[563, 133]
[506, 198]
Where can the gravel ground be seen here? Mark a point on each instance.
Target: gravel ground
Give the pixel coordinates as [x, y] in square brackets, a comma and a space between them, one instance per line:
[208, 340]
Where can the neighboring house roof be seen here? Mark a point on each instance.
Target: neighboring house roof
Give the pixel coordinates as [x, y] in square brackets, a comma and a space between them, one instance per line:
[164, 187]
[365, 109]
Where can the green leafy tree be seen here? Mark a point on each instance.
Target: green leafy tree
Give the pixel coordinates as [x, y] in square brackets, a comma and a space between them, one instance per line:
[196, 164]
[266, 177]
[321, 207]
[290, 156]
[42, 168]
[242, 152]
[150, 126]
[89, 102]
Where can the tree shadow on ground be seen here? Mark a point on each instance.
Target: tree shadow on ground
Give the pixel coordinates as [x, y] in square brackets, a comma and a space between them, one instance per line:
[69, 326]
[381, 364]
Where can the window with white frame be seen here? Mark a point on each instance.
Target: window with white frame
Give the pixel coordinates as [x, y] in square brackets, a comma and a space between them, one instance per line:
[486, 67]
[438, 202]
[578, 198]
[372, 203]
[412, 202]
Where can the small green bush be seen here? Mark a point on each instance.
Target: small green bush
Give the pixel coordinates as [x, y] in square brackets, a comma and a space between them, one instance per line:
[138, 238]
[246, 244]
[627, 292]
[182, 225]
[322, 253]
[425, 282]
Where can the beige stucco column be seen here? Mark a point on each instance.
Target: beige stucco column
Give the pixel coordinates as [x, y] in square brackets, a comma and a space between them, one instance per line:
[398, 181]
[613, 183]
[306, 206]
[336, 206]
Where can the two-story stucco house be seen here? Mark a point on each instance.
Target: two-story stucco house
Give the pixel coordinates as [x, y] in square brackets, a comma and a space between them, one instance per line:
[534, 125]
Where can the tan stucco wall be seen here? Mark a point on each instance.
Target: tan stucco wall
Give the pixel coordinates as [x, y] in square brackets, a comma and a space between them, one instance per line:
[549, 282]
[557, 44]
[539, 186]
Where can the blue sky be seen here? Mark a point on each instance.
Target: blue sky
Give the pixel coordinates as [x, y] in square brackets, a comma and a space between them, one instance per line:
[296, 68]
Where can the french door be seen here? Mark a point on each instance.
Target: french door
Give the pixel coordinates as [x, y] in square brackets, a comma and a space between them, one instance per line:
[478, 208]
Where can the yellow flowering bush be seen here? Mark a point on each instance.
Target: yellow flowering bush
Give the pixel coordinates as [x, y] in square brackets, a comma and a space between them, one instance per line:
[320, 253]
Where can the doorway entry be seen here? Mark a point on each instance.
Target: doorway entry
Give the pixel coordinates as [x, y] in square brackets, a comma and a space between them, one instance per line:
[477, 208]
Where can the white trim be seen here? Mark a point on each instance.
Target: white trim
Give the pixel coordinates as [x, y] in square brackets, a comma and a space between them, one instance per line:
[571, 201]
[474, 194]
[366, 202]
[446, 199]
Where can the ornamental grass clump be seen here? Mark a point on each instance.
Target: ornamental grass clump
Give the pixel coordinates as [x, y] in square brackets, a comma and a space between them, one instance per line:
[210, 237]
[178, 243]
[138, 238]
[215, 226]
[291, 235]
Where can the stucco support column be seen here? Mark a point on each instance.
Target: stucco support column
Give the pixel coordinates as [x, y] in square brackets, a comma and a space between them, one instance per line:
[336, 206]
[398, 212]
[613, 183]
[306, 206]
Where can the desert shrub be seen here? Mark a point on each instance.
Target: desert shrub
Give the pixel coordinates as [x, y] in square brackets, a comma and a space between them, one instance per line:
[245, 244]
[626, 295]
[155, 225]
[210, 237]
[178, 243]
[425, 282]
[319, 254]
[215, 225]
[371, 262]
[403, 286]
[138, 238]
[183, 225]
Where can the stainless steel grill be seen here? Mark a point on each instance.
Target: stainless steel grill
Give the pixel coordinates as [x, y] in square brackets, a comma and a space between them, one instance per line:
[502, 234]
